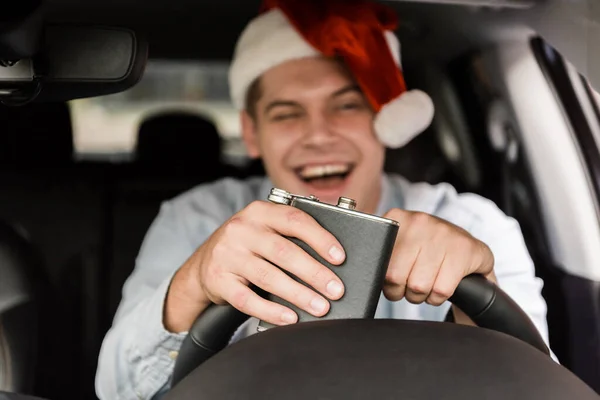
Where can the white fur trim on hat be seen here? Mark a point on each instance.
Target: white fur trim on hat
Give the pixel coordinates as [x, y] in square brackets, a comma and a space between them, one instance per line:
[403, 118]
[270, 40]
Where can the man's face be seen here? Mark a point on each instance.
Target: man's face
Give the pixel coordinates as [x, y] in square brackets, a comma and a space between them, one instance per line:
[313, 129]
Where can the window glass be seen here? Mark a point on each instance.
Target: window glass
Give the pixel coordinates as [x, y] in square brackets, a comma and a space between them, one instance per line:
[107, 126]
[595, 95]
[591, 107]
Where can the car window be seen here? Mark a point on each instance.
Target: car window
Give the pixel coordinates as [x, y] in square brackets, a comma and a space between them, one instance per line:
[591, 108]
[595, 96]
[106, 127]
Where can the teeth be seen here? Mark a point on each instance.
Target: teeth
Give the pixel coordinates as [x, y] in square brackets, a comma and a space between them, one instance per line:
[318, 171]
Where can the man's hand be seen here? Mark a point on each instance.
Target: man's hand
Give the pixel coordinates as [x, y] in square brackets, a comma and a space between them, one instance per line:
[240, 253]
[430, 258]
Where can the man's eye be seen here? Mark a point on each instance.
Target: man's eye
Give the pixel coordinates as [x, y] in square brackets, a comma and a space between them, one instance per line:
[350, 106]
[285, 117]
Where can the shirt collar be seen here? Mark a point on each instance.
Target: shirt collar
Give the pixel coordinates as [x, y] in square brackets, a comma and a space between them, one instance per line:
[391, 196]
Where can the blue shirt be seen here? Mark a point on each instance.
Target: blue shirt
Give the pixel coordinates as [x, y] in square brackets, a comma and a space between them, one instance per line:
[138, 354]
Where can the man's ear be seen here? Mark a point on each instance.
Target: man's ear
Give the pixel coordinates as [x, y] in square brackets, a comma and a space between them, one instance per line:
[250, 134]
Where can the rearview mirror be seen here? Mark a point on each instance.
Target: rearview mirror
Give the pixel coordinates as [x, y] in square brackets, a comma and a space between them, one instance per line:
[75, 62]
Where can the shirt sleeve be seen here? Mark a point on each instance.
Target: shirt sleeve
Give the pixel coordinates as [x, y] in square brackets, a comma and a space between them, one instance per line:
[138, 354]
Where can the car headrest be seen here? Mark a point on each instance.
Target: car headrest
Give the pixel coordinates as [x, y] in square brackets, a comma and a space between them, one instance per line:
[178, 139]
[36, 135]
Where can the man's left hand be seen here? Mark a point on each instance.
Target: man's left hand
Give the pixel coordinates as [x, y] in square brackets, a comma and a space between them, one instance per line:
[430, 258]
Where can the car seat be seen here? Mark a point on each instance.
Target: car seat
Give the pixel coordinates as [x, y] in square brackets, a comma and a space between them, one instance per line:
[175, 152]
[179, 142]
[22, 284]
[62, 206]
[43, 130]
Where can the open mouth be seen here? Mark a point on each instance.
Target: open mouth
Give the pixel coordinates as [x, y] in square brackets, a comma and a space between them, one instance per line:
[325, 176]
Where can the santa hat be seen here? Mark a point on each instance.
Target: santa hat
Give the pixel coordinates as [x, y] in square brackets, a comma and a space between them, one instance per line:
[360, 33]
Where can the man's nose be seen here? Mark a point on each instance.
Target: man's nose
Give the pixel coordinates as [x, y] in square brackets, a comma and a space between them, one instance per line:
[319, 131]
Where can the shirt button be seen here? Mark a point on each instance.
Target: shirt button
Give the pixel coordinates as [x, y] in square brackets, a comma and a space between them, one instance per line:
[173, 354]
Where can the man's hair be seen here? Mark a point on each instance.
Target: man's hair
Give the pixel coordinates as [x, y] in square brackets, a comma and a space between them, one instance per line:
[252, 96]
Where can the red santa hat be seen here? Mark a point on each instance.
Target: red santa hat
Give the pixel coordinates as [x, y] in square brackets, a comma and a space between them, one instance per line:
[360, 32]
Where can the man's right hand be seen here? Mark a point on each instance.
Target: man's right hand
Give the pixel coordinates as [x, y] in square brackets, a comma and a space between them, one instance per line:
[240, 253]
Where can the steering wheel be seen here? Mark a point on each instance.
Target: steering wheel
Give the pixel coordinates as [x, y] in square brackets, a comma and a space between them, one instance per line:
[484, 302]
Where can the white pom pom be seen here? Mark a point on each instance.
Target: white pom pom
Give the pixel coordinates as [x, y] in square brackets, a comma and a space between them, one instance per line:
[399, 121]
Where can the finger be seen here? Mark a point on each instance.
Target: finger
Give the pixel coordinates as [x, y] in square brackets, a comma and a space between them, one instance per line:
[293, 222]
[406, 252]
[464, 256]
[401, 263]
[423, 275]
[247, 301]
[394, 292]
[273, 280]
[287, 255]
[448, 278]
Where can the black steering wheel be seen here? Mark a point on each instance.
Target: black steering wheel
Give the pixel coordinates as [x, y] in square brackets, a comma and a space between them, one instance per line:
[352, 359]
[484, 302]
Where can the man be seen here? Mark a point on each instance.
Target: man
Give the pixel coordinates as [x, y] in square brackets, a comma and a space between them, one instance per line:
[321, 94]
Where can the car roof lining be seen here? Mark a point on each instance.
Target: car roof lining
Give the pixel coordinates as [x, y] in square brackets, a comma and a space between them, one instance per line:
[194, 29]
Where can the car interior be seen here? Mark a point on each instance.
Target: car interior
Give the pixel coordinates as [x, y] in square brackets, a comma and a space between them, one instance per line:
[517, 121]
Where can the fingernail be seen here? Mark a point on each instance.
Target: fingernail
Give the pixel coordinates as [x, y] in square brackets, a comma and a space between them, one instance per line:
[318, 305]
[336, 253]
[289, 317]
[335, 289]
